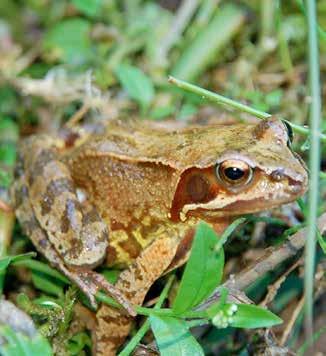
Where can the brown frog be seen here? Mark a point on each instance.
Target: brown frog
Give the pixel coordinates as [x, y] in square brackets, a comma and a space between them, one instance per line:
[132, 195]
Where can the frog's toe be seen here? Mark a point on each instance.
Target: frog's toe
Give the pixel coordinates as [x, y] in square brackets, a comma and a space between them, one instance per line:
[91, 282]
[113, 291]
[84, 283]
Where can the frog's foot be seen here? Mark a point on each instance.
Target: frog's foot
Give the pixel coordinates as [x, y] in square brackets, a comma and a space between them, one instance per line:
[91, 282]
[134, 282]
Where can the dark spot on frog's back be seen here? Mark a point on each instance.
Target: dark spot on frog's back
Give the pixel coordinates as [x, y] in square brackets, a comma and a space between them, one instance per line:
[21, 194]
[131, 246]
[91, 217]
[29, 226]
[111, 255]
[68, 218]
[104, 236]
[19, 168]
[44, 243]
[41, 161]
[53, 190]
[260, 129]
[64, 224]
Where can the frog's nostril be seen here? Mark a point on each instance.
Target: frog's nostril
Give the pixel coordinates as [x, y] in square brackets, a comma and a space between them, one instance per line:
[278, 175]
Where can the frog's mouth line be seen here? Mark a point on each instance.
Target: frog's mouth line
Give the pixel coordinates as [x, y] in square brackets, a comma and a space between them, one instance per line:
[235, 209]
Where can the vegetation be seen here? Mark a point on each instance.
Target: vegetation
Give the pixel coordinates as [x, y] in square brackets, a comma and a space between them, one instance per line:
[68, 61]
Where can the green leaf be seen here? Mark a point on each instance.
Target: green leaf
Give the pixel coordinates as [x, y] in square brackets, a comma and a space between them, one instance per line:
[69, 41]
[251, 316]
[8, 153]
[8, 99]
[161, 112]
[37, 266]
[111, 275]
[5, 261]
[5, 179]
[209, 43]
[138, 86]
[43, 283]
[173, 337]
[9, 130]
[79, 342]
[187, 110]
[18, 344]
[203, 271]
[88, 7]
[321, 241]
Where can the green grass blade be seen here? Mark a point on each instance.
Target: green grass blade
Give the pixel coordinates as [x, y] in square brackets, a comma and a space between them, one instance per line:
[205, 47]
[314, 163]
[222, 100]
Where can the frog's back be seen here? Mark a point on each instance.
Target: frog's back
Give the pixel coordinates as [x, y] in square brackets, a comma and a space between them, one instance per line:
[172, 144]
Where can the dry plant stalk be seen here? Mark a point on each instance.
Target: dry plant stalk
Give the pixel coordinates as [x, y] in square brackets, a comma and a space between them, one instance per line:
[268, 262]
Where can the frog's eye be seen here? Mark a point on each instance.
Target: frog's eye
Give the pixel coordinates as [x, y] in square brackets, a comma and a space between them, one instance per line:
[289, 130]
[234, 173]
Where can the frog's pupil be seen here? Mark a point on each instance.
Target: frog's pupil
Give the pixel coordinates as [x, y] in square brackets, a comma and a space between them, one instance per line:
[234, 173]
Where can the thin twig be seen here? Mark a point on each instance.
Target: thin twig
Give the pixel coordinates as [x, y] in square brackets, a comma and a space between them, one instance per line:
[273, 288]
[291, 322]
[298, 309]
[77, 116]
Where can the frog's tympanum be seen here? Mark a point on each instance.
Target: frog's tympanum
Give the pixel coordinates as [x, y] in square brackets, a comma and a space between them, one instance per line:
[131, 196]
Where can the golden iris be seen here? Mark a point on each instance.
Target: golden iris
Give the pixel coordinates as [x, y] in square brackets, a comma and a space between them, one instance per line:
[234, 172]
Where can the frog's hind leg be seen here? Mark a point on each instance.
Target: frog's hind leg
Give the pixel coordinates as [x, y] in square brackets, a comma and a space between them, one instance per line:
[37, 235]
[37, 155]
[81, 240]
[113, 326]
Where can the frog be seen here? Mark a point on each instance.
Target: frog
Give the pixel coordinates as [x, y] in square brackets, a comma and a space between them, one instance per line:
[130, 196]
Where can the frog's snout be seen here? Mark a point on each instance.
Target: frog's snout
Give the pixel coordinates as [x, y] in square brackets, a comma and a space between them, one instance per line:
[296, 182]
[298, 187]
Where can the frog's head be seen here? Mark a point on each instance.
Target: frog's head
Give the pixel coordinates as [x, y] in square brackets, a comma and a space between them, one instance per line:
[240, 169]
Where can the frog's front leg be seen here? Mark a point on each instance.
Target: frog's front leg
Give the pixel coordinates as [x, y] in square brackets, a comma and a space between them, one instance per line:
[160, 257]
[71, 235]
[134, 282]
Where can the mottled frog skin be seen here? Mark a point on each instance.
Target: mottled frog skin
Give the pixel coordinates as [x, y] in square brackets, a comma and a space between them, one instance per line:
[131, 196]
